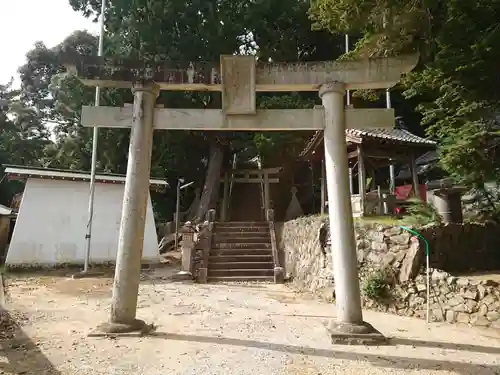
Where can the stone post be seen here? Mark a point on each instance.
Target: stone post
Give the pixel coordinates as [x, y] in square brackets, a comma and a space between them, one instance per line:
[187, 248]
[135, 199]
[343, 246]
[323, 191]
[392, 179]
[414, 177]
[225, 198]
[211, 215]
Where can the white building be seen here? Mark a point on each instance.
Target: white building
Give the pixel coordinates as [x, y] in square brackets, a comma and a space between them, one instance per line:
[53, 215]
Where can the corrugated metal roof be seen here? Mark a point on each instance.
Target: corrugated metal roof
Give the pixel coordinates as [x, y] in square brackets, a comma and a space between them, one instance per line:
[70, 175]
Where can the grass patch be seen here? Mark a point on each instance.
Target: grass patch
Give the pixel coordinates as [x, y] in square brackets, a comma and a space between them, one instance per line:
[376, 285]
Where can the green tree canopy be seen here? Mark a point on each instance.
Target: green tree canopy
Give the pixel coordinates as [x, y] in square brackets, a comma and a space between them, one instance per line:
[455, 82]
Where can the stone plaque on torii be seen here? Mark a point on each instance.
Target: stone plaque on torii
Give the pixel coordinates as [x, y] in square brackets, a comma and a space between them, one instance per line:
[238, 78]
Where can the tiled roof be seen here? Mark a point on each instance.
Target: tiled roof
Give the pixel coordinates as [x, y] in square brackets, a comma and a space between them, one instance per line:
[358, 135]
[398, 135]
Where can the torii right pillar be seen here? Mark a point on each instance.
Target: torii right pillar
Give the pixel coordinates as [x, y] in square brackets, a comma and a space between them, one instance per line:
[348, 325]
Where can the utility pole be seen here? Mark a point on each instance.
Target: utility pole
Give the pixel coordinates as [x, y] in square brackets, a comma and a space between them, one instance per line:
[95, 138]
[347, 51]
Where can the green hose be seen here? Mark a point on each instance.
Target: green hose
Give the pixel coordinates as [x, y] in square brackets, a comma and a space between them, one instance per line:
[419, 236]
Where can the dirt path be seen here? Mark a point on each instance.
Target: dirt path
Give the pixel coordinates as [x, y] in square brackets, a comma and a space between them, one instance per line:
[219, 329]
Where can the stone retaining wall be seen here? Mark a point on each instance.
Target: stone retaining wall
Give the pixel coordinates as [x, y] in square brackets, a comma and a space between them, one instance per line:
[464, 247]
[388, 247]
[453, 299]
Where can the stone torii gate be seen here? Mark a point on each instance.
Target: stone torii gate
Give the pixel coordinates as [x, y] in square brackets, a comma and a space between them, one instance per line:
[238, 78]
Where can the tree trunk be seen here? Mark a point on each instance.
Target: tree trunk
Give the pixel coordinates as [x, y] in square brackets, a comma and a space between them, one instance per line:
[212, 181]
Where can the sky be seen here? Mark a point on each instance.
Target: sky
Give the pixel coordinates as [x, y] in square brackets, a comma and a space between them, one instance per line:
[24, 22]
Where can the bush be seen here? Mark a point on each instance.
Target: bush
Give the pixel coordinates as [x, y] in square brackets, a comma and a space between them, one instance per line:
[375, 286]
[421, 213]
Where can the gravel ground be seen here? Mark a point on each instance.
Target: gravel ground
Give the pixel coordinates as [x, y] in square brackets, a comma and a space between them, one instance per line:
[235, 329]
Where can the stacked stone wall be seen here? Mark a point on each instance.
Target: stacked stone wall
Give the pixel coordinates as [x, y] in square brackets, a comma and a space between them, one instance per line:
[389, 248]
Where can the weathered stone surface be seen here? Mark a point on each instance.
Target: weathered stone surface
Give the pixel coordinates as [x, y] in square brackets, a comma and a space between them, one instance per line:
[470, 294]
[416, 301]
[490, 283]
[495, 324]
[400, 256]
[488, 300]
[392, 231]
[494, 306]
[375, 258]
[363, 244]
[481, 291]
[463, 318]
[452, 299]
[451, 280]
[437, 315]
[438, 275]
[379, 246]
[483, 310]
[471, 305]
[376, 236]
[411, 263]
[401, 239]
[478, 320]
[444, 289]
[421, 287]
[493, 316]
[450, 316]
[456, 300]
[460, 308]
[396, 248]
[388, 259]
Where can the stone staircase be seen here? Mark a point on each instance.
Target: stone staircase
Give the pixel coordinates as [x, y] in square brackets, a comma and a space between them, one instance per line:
[241, 251]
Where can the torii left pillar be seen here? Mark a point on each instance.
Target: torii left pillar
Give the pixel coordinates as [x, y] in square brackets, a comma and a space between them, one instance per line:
[135, 199]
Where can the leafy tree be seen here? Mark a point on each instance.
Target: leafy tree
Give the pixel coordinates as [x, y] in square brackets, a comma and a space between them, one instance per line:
[22, 137]
[457, 76]
[197, 30]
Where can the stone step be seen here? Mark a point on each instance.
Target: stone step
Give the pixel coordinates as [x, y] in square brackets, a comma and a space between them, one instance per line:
[268, 257]
[245, 273]
[240, 266]
[242, 229]
[239, 239]
[222, 235]
[241, 245]
[227, 279]
[246, 224]
[241, 252]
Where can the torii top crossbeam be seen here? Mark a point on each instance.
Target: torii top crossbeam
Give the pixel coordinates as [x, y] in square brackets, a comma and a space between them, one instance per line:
[208, 76]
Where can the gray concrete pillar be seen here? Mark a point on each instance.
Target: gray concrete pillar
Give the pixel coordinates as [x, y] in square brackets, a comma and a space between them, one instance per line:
[343, 246]
[135, 199]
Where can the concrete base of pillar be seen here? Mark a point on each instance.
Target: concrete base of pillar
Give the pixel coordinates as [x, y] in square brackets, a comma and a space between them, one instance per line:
[355, 334]
[182, 276]
[136, 328]
[279, 275]
[202, 276]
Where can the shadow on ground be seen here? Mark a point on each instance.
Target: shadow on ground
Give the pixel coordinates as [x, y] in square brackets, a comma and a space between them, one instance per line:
[384, 361]
[21, 353]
